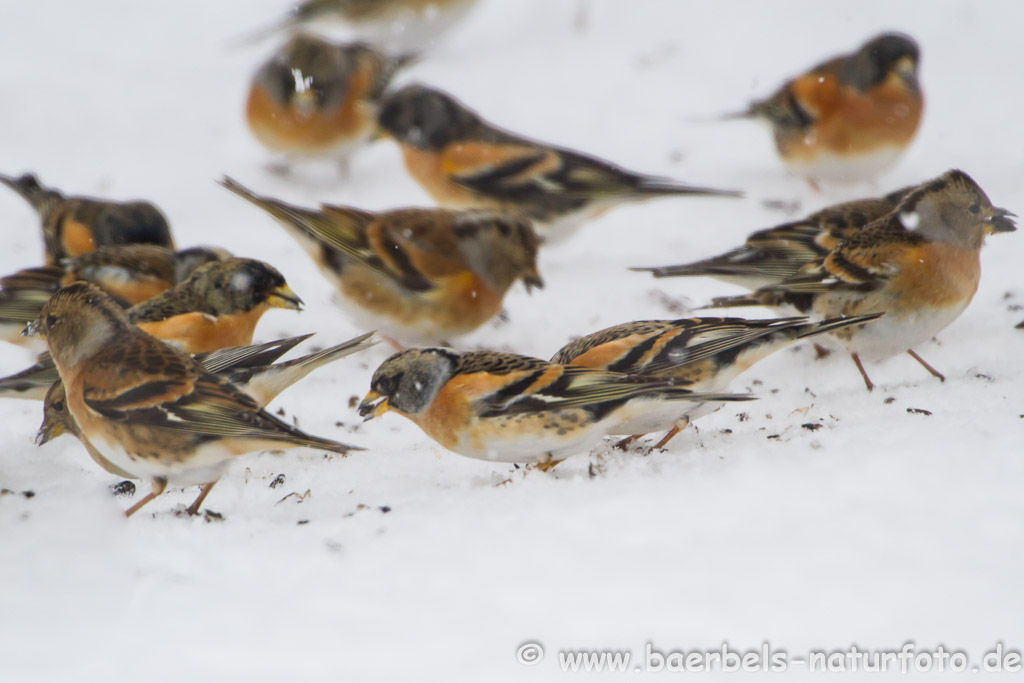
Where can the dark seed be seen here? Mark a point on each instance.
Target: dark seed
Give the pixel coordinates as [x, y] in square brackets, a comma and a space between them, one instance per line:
[123, 488]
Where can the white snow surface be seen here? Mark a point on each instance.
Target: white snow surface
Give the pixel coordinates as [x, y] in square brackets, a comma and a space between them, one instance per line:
[881, 527]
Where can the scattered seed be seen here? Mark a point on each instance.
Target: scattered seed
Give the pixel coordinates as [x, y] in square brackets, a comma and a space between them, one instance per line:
[123, 488]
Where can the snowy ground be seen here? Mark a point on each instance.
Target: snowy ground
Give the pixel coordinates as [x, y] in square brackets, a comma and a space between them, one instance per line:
[410, 563]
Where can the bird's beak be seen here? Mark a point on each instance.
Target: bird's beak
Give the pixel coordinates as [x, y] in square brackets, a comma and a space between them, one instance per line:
[49, 432]
[906, 66]
[533, 281]
[373, 405]
[1001, 220]
[305, 103]
[284, 297]
[31, 329]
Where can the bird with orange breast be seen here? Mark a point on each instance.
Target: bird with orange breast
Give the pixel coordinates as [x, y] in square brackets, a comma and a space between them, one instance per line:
[148, 410]
[253, 369]
[465, 162]
[417, 275]
[851, 117]
[73, 226]
[217, 306]
[318, 99]
[504, 407]
[919, 264]
[131, 273]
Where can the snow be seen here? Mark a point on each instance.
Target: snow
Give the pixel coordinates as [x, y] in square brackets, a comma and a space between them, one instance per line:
[407, 562]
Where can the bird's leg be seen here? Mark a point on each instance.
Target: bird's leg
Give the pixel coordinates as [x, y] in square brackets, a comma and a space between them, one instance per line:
[193, 509]
[280, 168]
[546, 462]
[867, 380]
[391, 342]
[581, 18]
[942, 378]
[159, 484]
[344, 168]
[622, 445]
[821, 352]
[679, 426]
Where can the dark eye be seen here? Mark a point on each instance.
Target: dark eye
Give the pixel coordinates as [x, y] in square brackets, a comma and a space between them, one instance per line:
[51, 320]
[59, 405]
[974, 208]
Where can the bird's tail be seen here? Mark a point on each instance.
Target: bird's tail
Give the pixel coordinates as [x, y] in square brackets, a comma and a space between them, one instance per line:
[23, 294]
[657, 186]
[32, 382]
[288, 435]
[260, 34]
[253, 355]
[758, 298]
[289, 215]
[336, 226]
[265, 383]
[683, 394]
[28, 187]
[727, 264]
[814, 329]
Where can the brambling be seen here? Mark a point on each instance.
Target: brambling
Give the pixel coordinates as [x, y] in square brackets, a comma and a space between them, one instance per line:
[393, 24]
[848, 118]
[148, 409]
[464, 161]
[217, 306]
[422, 275]
[130, 273]
[73, 226]
[701, 354]
[770, 256]
[314, 98]
[253, 369]
[508, 408]
[919, 264]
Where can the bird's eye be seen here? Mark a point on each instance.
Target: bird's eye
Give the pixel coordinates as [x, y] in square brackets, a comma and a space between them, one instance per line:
[974, 208]
[51, 320]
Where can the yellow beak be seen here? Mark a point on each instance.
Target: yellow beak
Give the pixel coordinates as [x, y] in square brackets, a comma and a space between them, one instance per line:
[373, 405]
[284, 297]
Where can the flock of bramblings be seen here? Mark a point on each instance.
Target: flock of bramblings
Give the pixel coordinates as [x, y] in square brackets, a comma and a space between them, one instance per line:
[149, 361]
